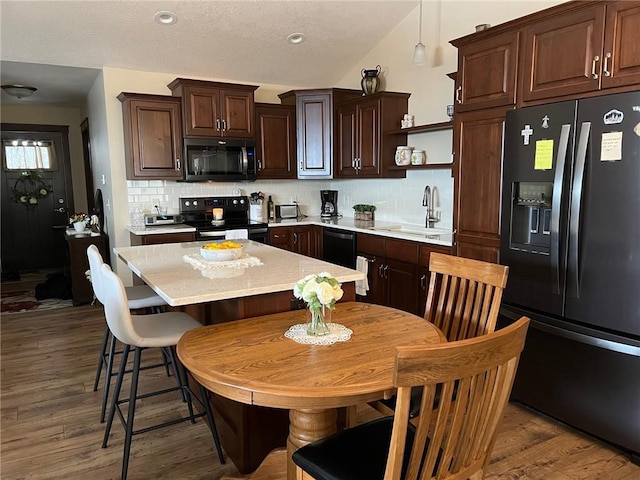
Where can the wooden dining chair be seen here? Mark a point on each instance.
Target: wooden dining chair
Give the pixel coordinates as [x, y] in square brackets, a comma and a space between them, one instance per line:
[463, 301]
[464, 295]
[451, 440]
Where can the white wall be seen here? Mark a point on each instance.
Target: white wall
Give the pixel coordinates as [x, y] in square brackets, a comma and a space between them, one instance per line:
[41, 115]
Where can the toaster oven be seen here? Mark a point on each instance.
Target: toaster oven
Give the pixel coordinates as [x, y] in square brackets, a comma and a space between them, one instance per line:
[287, 211]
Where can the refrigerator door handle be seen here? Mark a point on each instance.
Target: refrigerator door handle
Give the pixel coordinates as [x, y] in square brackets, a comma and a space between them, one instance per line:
[587, 339]
[574, 222]
[556, 200]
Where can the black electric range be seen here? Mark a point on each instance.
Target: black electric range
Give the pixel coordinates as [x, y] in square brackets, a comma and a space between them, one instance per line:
[198, 212]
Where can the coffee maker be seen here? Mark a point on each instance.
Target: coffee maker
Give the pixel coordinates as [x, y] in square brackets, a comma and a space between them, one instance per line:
[329, 203]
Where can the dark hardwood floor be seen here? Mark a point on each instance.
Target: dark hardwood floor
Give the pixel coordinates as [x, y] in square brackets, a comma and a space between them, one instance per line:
[50, 427]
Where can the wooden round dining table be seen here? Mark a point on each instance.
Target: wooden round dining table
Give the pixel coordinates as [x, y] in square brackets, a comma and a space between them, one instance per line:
[251, 361]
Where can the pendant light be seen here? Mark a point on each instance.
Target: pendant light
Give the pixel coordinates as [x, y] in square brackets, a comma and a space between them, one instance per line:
[419, 51]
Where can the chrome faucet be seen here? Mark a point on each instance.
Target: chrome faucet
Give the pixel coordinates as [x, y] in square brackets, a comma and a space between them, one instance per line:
[428, 200]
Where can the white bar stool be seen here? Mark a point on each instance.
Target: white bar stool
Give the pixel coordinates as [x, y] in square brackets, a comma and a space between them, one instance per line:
[139, 297]
[157, 330]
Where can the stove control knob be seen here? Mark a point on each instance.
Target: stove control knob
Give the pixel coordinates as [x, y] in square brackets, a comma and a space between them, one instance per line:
[195, 203]
[235, 201]
[186, 204]
[242, 201]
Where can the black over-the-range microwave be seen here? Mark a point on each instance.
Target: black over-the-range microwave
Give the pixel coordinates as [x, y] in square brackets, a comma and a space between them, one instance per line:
[219, 160]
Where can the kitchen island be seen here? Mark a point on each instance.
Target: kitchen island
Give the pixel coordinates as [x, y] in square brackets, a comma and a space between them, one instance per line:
[216, 295]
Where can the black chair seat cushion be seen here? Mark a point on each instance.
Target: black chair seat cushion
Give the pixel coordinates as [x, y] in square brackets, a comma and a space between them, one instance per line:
[358, 453]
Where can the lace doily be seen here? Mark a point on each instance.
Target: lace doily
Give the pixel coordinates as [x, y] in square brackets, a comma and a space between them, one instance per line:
[226, 269]
[337, 333]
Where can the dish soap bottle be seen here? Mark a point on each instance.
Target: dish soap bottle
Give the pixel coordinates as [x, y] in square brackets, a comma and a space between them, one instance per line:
[271, 211]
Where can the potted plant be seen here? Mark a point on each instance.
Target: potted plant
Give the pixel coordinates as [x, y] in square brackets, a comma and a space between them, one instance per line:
[364, 212]
[79, 221]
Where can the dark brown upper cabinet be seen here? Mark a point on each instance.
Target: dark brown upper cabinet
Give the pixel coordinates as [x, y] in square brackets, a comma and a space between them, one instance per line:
[315, 128]
[152, 136]
[215, 109]
[582, 51]
[487, 72]
[276, 140]
[364, 149]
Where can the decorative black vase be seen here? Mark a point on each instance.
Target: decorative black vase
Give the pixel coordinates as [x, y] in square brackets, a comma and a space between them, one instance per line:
[370, 81]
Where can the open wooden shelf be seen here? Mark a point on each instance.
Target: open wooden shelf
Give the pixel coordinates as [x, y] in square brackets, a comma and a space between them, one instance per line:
[421, 167]
[429, 127]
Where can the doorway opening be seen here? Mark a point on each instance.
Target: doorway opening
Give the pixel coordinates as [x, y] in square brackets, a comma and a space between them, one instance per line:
[36, 195]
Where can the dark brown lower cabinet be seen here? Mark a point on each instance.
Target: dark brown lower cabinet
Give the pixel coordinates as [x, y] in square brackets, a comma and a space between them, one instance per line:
[162, 238]
[393, 271]
[296, 238]
[425, 273]
[81, 287]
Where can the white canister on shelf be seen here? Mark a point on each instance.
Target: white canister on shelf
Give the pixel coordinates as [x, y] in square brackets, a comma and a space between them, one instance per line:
[403, 155]
[418, 157]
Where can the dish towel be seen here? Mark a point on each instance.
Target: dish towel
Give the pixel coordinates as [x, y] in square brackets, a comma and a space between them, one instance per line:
[241, 233]
[362, 265]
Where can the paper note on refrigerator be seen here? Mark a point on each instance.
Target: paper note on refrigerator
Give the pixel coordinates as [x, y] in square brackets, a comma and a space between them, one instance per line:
[611, 147]
[544, 155]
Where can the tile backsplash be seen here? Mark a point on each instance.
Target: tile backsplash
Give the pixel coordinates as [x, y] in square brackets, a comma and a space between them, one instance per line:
[397, 200]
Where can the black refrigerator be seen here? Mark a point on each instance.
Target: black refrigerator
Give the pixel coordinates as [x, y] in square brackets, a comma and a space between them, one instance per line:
[570, 234]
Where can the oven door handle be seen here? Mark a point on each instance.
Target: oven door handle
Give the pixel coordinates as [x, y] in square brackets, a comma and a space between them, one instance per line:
[217, 233]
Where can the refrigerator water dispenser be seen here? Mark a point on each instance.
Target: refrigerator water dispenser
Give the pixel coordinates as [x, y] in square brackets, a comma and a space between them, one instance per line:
[531, 217]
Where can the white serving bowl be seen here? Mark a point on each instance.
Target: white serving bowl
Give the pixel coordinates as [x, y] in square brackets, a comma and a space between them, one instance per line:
[221, 255]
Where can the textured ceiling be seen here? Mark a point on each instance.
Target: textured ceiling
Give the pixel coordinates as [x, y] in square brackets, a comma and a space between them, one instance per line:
[243, 40]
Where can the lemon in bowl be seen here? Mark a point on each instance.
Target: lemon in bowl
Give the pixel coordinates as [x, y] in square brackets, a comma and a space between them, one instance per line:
[222, 251]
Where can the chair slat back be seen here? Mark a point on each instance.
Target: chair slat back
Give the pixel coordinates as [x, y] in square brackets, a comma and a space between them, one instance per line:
[116, 308]
[456, 431]
[464, 295]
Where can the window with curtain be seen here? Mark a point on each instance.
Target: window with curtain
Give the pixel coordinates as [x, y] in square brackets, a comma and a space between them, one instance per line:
[29, 155]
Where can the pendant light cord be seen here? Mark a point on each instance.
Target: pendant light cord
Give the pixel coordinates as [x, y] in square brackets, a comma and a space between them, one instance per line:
[420, 34]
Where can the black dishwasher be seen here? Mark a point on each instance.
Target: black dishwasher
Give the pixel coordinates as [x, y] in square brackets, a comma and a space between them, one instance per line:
[339, 247]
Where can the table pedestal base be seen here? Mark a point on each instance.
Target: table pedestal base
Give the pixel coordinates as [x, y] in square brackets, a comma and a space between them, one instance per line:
[306, 426]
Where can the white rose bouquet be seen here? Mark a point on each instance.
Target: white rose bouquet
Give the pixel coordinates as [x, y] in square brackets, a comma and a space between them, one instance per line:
[319, 292]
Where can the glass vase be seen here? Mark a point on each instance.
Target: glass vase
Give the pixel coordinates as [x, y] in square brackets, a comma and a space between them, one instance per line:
[320, 318]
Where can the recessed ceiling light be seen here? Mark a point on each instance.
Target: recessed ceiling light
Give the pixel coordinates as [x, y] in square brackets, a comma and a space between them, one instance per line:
[165, 18]
[296, 38]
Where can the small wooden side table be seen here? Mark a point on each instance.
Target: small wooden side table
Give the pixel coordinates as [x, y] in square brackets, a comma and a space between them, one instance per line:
[77, 245]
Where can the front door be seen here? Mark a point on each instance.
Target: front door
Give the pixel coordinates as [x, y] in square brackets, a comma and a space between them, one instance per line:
[36, 196]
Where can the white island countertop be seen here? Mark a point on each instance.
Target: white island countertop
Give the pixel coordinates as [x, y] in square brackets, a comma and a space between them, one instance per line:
[165, 270]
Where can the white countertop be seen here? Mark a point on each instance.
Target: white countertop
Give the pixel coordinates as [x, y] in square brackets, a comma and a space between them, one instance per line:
[159, 229]
[432, 236]
[411, 232]
[163, 268]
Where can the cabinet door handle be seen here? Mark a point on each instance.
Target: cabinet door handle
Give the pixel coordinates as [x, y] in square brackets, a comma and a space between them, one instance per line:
[386, 271]
[359, 163]
[224, 125]
[295, 238]
[381, 271]
[595, 60]
[353, 162]
[218, 124]
[605, 65]
[60, 210]
[423, 282]
[459, 94]
[259, 164]
[178, 165]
